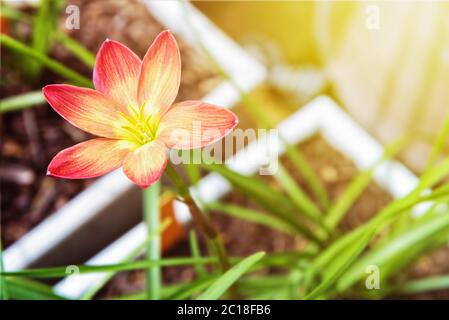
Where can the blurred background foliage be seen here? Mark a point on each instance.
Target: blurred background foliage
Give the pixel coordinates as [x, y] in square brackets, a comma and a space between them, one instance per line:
[387, 63]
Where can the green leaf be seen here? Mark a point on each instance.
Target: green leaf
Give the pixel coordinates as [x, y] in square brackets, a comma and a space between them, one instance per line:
[298, 196]
[252, 215]
[339, 265]
[306, 170]
[22, 101]
[25, 289]
[440, 142]
[11, 13]
[193, 288]
[413, 240]
[219, 287]
[424, 285]
[267, 197]
[57, 272]
[358, 185]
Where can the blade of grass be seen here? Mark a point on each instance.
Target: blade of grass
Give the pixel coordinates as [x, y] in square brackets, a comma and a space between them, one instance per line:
[22, 101]
[388, 213]
[395, 248]
[219, 287]
[172, 291]
[306, 170]
[424, 285]
[25, 289]
[153, 252]
[254, 286]
[193, 288]
[11, 13]
[253, 216]
[298, 196]
[200, 270]
[358, 185]
[53, 65]
[339, 265]
[266, 196]
[59, 272]
[440, 141]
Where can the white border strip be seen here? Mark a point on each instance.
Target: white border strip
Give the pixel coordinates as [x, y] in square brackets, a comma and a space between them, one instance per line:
[320, 115]
[81, 209]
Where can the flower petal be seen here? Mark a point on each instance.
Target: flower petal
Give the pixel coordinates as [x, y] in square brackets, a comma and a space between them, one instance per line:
[85, 108]
[160, 74]
[89, 159]
[116, 72]
[195, 124]
[145, 165]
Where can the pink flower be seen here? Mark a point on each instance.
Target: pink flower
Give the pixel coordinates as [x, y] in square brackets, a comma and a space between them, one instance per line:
[132, 112]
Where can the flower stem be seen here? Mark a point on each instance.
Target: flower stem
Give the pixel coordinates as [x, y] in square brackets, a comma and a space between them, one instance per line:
[205, 224]
[153, 253]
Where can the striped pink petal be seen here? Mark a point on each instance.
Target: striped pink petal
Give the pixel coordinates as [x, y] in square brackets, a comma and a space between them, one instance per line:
[89, 159]
[160, 74]
[145, 165]
[195, 124]
[85, 108]
[116, 72]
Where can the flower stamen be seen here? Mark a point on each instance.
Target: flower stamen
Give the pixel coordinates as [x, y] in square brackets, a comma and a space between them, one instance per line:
[139, 129]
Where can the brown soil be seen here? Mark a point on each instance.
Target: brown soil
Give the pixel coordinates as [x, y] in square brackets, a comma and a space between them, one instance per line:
[30, 138]
[243, 238]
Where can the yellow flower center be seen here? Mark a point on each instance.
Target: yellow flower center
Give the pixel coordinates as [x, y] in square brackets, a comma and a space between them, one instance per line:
[138, 127]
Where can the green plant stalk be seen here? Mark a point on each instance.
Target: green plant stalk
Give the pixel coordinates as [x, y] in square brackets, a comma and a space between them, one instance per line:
[55, 66]
[22, 101]
[202, 220]
[309, 175]
[195, 251]
[153, 253]
[3, 290]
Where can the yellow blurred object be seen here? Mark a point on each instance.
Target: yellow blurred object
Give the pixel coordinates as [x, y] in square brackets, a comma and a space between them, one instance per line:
[387, 62]
[289, 24]
[390, 68]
